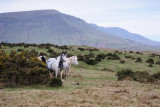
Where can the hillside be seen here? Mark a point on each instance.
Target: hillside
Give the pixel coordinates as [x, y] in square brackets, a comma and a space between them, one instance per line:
[122, 33]
[89, 85]
[51, 26]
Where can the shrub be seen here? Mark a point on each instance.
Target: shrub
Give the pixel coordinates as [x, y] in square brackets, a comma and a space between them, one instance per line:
[90, 61]
[47, 47]
[143, 77]
[86, 56]
[129, 56]
[72, 49]
[81, 49]
[158, 62]
[55, 82]
[98, 59]
[33, 52]
[131, 52]
[153, 55]
[101, 56]
[109, 54]
[10, 45]
[93, 49]
[106, 69]
[41, 53]
[150, 65]
[122, 61]
[53, 55]
[63, 47]
[80, 57]
[156, 75]
[120, 52]
[69, 55]
[91, 55]
[50, 51]
[26, 46]
[150, 60]
[133, 58]
[125, 74]
[116, 51]
[19, 50]
[139, 53]
[110, 58]
[138, 59]
[114, 57]
[22, 69]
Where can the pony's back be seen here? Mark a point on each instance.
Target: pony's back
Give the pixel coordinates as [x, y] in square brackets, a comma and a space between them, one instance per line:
[50, 62]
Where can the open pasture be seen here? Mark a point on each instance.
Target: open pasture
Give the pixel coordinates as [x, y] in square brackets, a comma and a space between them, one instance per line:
[89, 84]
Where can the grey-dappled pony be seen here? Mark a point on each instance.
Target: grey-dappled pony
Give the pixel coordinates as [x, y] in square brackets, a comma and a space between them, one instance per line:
[57, 63]
[67, 65]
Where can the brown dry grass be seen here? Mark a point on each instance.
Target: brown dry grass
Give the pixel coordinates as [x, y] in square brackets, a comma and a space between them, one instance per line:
[94, 91]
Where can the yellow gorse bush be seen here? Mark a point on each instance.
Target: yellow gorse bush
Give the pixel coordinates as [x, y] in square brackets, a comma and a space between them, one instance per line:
[2, 52]
[34, 59]
[1, 65]
[22, 68]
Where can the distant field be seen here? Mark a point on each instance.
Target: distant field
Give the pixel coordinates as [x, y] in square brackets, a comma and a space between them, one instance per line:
[90, 85]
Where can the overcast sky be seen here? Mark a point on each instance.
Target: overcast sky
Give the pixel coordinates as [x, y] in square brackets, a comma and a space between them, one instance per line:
[136, 16]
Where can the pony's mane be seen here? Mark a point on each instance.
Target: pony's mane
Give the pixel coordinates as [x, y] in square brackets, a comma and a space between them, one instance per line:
[43, 59]
[61, 61]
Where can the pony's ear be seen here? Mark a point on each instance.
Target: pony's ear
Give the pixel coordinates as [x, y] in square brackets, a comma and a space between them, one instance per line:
[65, 52]
[62, 52]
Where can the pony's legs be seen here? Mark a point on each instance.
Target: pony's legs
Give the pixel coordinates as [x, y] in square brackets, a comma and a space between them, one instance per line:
[65, 74]
[61, 75]
[50, 74]
[56, 73]
[68, 74]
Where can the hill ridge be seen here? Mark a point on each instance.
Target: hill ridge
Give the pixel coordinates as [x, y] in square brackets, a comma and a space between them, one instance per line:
[123, 33]
[52, 26]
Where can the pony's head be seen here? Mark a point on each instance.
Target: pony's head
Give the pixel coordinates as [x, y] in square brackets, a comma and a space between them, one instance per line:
[74, 60]
[43, 58]
[63, 56]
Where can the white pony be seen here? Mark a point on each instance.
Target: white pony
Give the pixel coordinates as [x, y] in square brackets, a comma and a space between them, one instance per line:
[57, 63]
[67, 65]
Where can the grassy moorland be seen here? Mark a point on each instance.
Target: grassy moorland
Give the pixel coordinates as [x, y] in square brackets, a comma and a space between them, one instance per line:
[90, 84]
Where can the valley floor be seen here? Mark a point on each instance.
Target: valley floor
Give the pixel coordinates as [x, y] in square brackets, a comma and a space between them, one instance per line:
[85, 88]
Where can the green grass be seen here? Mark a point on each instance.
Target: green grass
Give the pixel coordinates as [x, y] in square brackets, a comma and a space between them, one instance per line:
[91, 73]
[114, 65]
[95, 85]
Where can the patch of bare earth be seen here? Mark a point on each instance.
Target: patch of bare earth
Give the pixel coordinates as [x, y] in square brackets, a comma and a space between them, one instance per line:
[106, 93]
